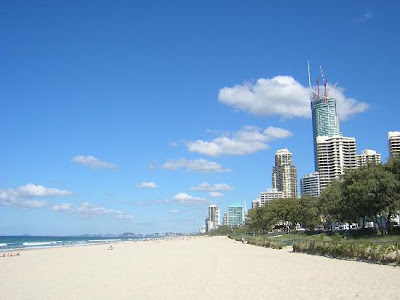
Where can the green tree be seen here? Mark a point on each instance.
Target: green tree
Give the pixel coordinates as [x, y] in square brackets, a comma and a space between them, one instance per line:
[308, 212]
[330, 201]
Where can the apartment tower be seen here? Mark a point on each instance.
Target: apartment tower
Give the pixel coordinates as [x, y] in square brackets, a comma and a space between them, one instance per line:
[309, 185]
[368, 157]
[284, 175]
[335, 155]
[394, 143]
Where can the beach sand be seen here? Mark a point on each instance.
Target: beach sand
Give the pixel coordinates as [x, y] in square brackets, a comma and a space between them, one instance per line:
[190, 268]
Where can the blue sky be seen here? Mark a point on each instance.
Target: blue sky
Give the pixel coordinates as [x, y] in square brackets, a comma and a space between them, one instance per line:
[135, 116]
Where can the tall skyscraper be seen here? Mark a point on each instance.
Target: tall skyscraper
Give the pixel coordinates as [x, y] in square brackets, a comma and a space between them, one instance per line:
[325, 120]
[368, 157]
[394, 143]
[214, 215]
[235, 214]
[284, 175]
[335, 155]
[309, 185]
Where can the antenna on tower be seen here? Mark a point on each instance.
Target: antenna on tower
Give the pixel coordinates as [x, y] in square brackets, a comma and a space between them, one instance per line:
[325, 82]
[318, 87]
[309, 76]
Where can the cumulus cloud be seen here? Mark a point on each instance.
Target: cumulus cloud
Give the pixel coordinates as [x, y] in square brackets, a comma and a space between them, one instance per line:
[283, 96]
[22, 196]
[93, 162]
[216, 194]
[89, 210]
[211, 187]
[248, 140]
[198, 165]
[186, 199]
[61, 207]
[147, 185]
[28, 196]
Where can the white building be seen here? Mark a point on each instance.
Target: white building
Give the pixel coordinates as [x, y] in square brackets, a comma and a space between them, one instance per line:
[335, 154]
[394, 143]
[284, 174]
[213, 217]
[225, 221]
[270, 195]
[256, 203]
[309, 185]
[368, 157]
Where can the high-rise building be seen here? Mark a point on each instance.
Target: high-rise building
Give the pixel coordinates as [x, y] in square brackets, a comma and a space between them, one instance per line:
[335, 155]
[225, 221]
[235, 214]
[256, 203]
[214, 215]
[368, 157]
[269, 195]
[284, 174]
[325, 120]
[309, 185]
[394, 143]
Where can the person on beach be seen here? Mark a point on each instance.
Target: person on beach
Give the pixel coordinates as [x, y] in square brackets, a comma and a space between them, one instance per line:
[110, 248]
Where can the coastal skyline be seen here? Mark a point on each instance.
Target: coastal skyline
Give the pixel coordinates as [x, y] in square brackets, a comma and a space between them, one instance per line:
[125, 117]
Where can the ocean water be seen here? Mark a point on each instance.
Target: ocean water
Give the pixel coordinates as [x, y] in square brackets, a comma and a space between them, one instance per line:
[10, 243]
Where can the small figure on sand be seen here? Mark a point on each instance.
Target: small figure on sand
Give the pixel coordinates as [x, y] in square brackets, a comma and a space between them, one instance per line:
[110, 248]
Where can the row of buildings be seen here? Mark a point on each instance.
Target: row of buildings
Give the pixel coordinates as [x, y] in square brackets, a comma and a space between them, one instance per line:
[234, 217]
[333, 154]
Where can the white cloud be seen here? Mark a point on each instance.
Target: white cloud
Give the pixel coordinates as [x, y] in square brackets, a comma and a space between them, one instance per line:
[93, 162]
[89, 210]
[365, 17]
[212, 187]
[248, 140]
[32, 190]
[216, 194]
[198, 165]
[283, 96]
[186, 199]
[21, 197]
[147, 185]
[61, 207]
[32, 204]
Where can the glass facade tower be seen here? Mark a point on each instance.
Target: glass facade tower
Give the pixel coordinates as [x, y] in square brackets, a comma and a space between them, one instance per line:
[325, 120]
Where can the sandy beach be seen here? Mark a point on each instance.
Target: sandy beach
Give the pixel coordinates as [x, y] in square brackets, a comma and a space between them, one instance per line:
[190, 268]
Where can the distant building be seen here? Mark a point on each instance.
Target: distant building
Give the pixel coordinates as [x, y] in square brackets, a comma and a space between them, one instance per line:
[214, 216]
[210, 226]
[235, 214]
[394, 143]
[284, 174]
[225, 221]
[256, 203]
[203, 229]
[335, 155]
[368, 157]
[270, 195]
[325, 120]
[309, 185]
